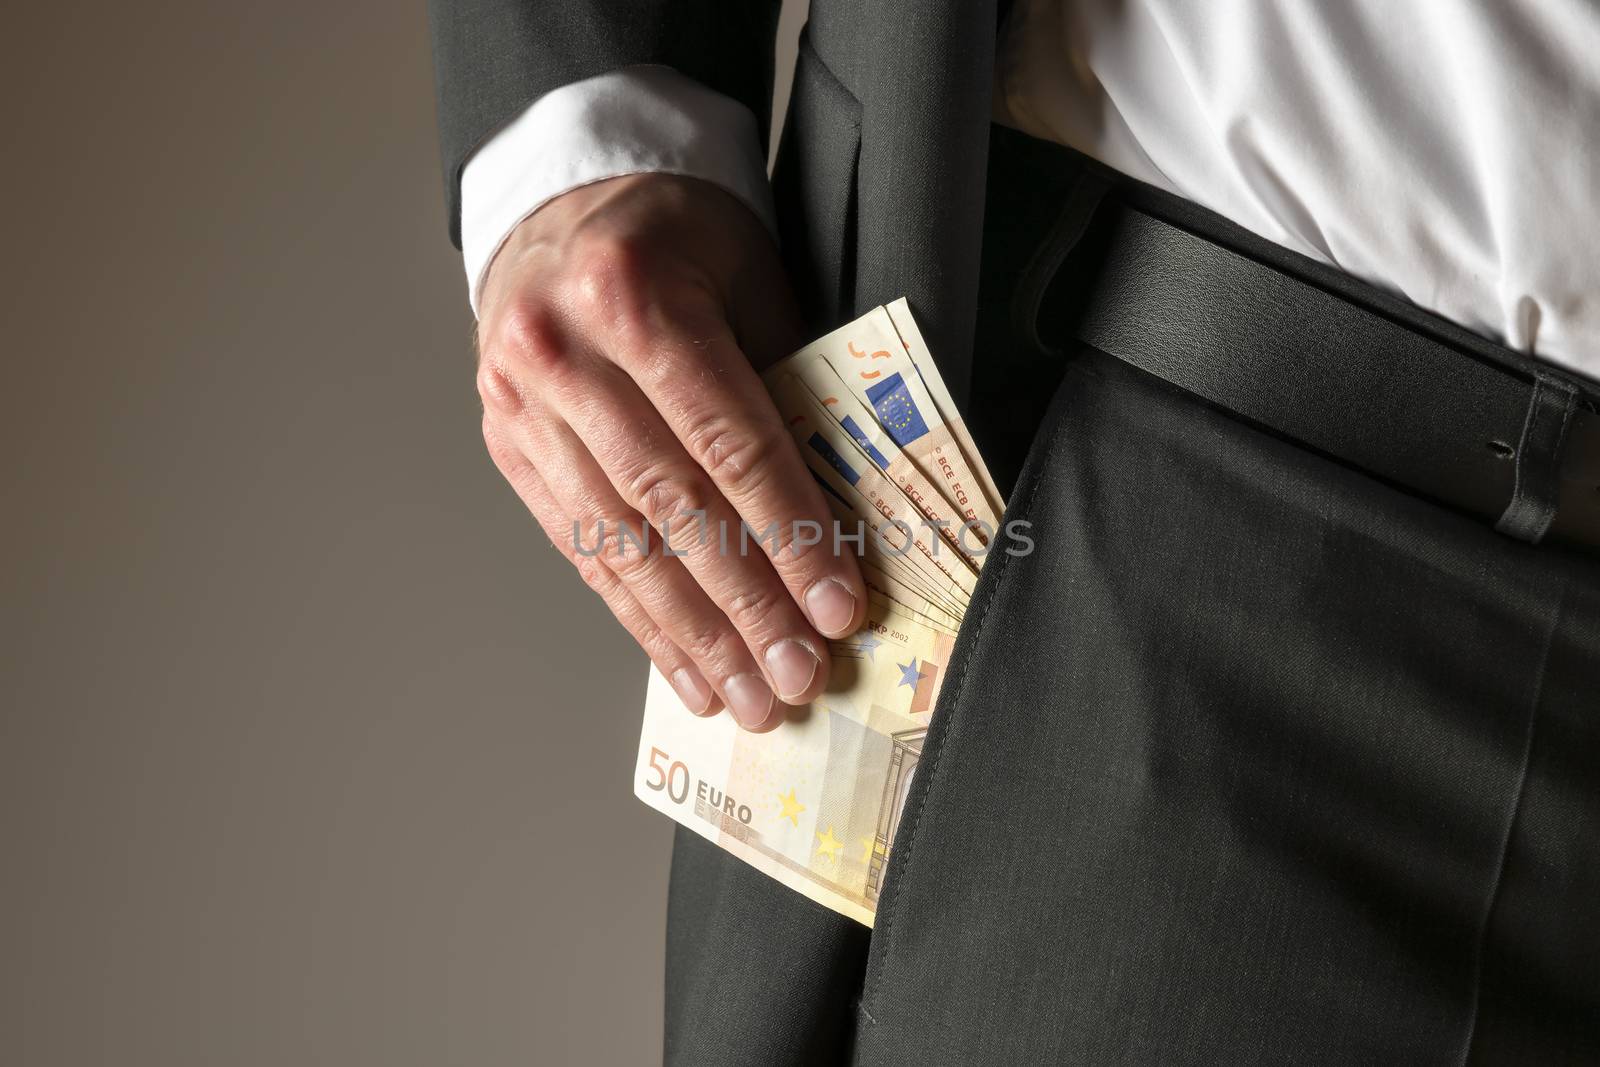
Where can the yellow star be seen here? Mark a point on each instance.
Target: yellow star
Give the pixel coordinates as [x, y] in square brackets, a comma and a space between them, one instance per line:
[829, 845]
[791, 808]
[869, 845]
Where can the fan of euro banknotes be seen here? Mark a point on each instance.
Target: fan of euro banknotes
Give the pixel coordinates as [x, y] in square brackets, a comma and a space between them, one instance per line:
[815, 803]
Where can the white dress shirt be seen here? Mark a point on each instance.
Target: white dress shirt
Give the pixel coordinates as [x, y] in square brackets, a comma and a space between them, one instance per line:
[1448, 150]
[1445, 149]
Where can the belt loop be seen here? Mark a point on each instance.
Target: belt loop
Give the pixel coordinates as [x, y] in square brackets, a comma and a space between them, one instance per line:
[1537, 481]
[1064, 235]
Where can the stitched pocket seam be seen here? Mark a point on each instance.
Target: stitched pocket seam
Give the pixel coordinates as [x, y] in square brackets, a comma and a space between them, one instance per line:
[915, 805]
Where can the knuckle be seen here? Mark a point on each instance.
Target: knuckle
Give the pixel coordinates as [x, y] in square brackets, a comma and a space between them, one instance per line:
[649, 636]
[527, 335]
[498, 391]
[734, 456]
[818, 552]
[631, 553]
[592, 534]
[701, 643]
[788, 549]
[596, 575]
[607, 279]
[752, 609]
[668, 501]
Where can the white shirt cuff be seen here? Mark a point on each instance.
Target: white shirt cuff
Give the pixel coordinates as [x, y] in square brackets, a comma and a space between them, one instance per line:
[629, 121]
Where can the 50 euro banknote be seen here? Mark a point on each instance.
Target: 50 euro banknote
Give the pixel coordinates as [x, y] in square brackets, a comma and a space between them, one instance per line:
[814, 803]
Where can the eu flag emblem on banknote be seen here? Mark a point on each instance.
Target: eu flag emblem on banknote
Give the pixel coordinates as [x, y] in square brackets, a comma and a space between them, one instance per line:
[836, 461]
[896, 410]
[865, 442]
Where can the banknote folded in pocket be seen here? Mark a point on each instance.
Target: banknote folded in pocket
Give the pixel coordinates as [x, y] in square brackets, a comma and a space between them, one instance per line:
[816, 802]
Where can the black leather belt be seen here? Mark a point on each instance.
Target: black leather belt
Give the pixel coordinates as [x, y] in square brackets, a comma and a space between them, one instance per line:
[1471, 425]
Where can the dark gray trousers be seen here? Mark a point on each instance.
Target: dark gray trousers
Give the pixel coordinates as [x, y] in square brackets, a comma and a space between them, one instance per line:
[1254, 760]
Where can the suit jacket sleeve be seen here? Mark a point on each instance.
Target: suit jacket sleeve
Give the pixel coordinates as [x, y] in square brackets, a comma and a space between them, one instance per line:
[492, 58]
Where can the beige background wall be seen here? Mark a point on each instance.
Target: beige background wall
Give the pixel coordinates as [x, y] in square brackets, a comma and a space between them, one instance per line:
[311, 750]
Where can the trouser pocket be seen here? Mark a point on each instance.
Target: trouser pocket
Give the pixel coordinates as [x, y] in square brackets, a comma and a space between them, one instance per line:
[1223, 767]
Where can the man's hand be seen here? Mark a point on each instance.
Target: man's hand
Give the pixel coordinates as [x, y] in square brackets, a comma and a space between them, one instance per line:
[622, 327]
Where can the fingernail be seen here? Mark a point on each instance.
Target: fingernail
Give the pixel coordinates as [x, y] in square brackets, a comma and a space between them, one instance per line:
[831, 606]
[749, 699]
[792, 666]
[692, 690]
